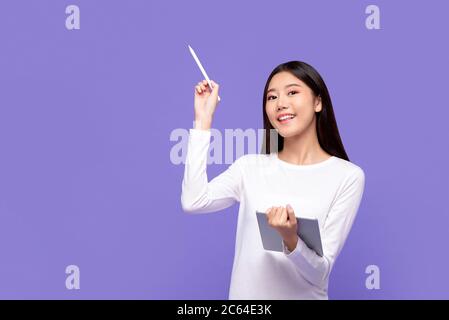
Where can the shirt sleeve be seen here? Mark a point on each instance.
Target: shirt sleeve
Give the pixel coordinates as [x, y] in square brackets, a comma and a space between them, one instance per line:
[336, 228]
[198, 195]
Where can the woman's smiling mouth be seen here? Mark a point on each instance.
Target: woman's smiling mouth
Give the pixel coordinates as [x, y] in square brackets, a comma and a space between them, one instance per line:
[285, 117]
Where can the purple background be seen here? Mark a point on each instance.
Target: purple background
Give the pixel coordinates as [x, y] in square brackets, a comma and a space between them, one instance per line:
[86, 116]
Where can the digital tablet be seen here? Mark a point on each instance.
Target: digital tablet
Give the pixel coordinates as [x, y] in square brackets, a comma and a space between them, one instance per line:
[309, 232]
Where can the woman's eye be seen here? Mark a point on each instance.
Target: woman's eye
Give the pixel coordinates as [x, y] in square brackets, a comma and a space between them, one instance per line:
[269, 98]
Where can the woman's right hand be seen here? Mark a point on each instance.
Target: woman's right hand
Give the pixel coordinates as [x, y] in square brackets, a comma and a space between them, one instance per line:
[206, 100]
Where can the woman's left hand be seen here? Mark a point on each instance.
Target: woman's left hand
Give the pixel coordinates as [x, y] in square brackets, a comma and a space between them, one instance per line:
[283, 219]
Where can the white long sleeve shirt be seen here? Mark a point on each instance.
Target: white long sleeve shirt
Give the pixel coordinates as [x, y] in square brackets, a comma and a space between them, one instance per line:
[329, 191]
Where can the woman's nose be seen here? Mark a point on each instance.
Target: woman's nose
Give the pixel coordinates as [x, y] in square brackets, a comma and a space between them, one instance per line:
[280, 104]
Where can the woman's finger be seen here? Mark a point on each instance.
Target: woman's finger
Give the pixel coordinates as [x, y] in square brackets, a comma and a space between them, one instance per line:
[277, 218]
[291, 215]
[214, 87]
[203, 83]
[270, 214]
[283, 216]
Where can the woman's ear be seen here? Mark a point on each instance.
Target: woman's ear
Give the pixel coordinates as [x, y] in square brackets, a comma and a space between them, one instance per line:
[318, 105]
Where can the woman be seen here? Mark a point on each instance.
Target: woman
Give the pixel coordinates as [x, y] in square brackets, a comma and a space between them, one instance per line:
[308, 175]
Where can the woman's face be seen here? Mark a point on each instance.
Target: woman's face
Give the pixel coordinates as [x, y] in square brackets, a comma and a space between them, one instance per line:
[287, 95]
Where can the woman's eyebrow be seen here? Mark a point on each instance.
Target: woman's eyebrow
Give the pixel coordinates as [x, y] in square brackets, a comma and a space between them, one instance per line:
[289, 85]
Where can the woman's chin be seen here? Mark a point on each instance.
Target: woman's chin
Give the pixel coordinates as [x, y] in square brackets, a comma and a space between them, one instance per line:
[288, 132]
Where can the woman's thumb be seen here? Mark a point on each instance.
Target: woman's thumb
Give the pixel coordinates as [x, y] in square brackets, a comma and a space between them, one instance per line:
[215, 87]
[290, 212]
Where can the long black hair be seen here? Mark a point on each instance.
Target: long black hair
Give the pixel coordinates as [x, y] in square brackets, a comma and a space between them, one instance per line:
[326, 125]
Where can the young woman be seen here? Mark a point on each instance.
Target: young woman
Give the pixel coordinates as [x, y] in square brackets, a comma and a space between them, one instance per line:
[308, 175]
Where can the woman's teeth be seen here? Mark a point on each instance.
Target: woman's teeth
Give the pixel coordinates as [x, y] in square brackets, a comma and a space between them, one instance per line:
[286, 118]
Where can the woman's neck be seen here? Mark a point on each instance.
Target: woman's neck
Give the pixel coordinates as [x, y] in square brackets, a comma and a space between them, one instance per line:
[303, 149]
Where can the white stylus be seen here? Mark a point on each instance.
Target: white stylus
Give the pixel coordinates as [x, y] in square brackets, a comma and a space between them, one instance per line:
[201, 68]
